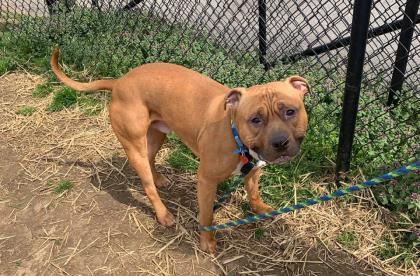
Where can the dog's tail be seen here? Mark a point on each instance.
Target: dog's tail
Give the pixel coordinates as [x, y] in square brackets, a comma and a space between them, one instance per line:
[80, 86]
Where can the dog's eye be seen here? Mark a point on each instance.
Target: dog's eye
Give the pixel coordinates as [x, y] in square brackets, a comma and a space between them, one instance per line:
[256, 120]
[290, 113]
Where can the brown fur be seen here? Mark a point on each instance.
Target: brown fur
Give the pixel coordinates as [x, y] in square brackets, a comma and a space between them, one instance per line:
[152, 99]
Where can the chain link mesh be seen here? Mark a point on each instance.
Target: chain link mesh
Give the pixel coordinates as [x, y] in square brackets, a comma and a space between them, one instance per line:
[221, 39]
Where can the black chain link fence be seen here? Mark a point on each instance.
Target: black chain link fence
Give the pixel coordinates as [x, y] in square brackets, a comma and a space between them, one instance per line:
[241, 43]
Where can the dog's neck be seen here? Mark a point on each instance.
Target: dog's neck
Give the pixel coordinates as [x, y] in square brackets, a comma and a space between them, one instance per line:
[247, 157]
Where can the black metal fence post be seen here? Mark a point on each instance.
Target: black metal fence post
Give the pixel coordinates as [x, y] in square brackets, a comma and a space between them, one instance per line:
[50, 6]
[131, 5]
[356, 56]
[404, 44]
[53, 5]
[262, 32]
[95, 3]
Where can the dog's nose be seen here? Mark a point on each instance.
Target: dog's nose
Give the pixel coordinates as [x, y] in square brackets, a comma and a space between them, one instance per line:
[280, 142]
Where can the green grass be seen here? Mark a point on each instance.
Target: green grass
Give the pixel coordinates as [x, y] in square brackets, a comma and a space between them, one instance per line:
[64, 98]
[90, 105]
[6, 64]
[42, 90]
[347, 239]
[181, 157]
[259, 233]
[63, 185]
[26, 110]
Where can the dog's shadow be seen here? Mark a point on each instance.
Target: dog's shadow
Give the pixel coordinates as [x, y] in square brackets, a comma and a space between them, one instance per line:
[119, 179]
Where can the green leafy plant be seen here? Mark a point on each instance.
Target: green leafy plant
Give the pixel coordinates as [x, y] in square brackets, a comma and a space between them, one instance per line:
[399, 248]
[401, 196]
[63, 186]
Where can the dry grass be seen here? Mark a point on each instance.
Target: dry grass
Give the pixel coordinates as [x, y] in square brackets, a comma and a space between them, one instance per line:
[105, 225]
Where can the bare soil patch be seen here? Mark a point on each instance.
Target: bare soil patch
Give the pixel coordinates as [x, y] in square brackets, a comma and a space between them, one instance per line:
[104, 224]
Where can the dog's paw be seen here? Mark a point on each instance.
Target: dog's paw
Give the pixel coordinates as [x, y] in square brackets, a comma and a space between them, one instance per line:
[207, 243]
[261, 208]
[166, 219]
[161, 181]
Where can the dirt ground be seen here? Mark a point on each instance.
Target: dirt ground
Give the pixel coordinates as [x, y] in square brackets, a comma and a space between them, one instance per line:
[105, 224]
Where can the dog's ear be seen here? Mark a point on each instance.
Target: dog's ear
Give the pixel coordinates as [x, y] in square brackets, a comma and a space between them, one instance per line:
[233, 97]
[299, 83]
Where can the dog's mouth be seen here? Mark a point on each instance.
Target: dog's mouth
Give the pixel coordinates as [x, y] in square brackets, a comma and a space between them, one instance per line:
[278, 161]
[282, 160]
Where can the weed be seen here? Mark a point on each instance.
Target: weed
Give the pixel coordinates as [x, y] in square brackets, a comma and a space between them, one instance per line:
[6, 64]
[398, 249]
[259, 233]
[90, 105]
[225, 185]
[63, 185]
[26, 110]
[42, 90]
[401, 196]
[246, 209]
[64, 98]
[347, 239]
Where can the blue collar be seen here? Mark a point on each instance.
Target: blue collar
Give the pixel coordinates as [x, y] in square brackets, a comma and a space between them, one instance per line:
[241, 149]
[244, 155]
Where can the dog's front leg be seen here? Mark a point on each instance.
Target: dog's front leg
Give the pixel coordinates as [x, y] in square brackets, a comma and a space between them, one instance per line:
[252, 189]
[206, 194]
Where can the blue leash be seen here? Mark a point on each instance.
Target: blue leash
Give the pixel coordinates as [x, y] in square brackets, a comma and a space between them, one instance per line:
[412, 168]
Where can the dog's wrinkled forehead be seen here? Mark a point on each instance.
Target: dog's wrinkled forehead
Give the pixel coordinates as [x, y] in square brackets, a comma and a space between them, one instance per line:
[272, 96]
[289, 92]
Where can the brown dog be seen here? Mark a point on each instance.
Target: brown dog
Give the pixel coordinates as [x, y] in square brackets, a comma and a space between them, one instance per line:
[153, 99]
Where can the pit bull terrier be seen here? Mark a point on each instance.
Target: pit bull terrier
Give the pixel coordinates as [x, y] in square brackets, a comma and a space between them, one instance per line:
[154, 99]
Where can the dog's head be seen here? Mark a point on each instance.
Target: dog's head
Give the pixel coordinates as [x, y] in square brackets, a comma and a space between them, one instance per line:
[271, 118]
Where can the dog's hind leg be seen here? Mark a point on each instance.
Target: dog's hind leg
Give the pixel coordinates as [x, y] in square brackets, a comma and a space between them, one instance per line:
[155, 139]
[131, 126]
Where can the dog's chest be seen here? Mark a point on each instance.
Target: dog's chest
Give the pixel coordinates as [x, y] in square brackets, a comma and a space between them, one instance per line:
[238, 168]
